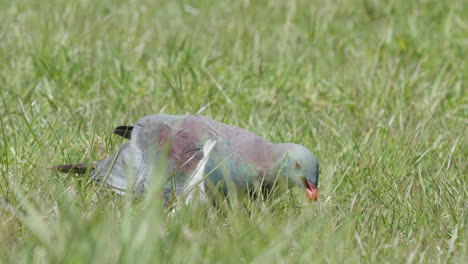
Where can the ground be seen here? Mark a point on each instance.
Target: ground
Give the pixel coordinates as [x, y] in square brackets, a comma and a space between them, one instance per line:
[376, 89]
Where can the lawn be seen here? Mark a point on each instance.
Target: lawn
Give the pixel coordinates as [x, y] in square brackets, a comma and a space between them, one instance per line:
[376, 89]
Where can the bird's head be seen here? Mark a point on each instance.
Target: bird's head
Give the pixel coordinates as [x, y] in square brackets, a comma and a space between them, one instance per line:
[301, 168]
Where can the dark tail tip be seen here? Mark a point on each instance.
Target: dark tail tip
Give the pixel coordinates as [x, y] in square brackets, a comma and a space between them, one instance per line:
[79, 168]
[124, 131]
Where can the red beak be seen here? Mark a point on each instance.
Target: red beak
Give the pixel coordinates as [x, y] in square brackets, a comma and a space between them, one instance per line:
[311, 191]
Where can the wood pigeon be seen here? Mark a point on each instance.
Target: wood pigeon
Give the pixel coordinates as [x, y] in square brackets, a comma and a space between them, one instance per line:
[196, 154]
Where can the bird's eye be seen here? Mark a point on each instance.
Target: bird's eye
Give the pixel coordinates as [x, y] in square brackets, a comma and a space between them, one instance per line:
[298, 165]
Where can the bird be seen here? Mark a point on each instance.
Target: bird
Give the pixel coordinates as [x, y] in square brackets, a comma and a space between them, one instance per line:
[198, 156]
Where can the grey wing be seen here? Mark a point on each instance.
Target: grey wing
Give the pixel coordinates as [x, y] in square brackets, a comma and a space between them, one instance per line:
[151, 138]
[120, 170]
[133, 163]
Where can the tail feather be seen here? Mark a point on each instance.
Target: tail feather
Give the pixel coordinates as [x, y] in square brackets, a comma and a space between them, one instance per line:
[113, 170]
[124, 131]
[79, 168]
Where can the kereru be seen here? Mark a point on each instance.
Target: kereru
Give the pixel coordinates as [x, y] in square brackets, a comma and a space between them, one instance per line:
[198, 154]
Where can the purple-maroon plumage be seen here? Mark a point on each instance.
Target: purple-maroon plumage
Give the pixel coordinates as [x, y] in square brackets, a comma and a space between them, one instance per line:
[202, 154]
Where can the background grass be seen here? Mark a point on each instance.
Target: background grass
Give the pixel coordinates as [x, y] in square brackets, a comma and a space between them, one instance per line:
[376, 89]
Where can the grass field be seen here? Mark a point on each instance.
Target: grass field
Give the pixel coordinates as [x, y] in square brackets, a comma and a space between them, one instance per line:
[376, 89]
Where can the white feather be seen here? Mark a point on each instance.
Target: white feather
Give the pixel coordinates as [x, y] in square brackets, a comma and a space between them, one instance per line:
[195, 183]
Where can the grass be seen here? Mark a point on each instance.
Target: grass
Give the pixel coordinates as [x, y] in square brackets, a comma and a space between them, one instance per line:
[376, 89]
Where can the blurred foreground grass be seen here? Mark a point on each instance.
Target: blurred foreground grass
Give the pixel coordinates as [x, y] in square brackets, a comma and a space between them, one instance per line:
[376, 89]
